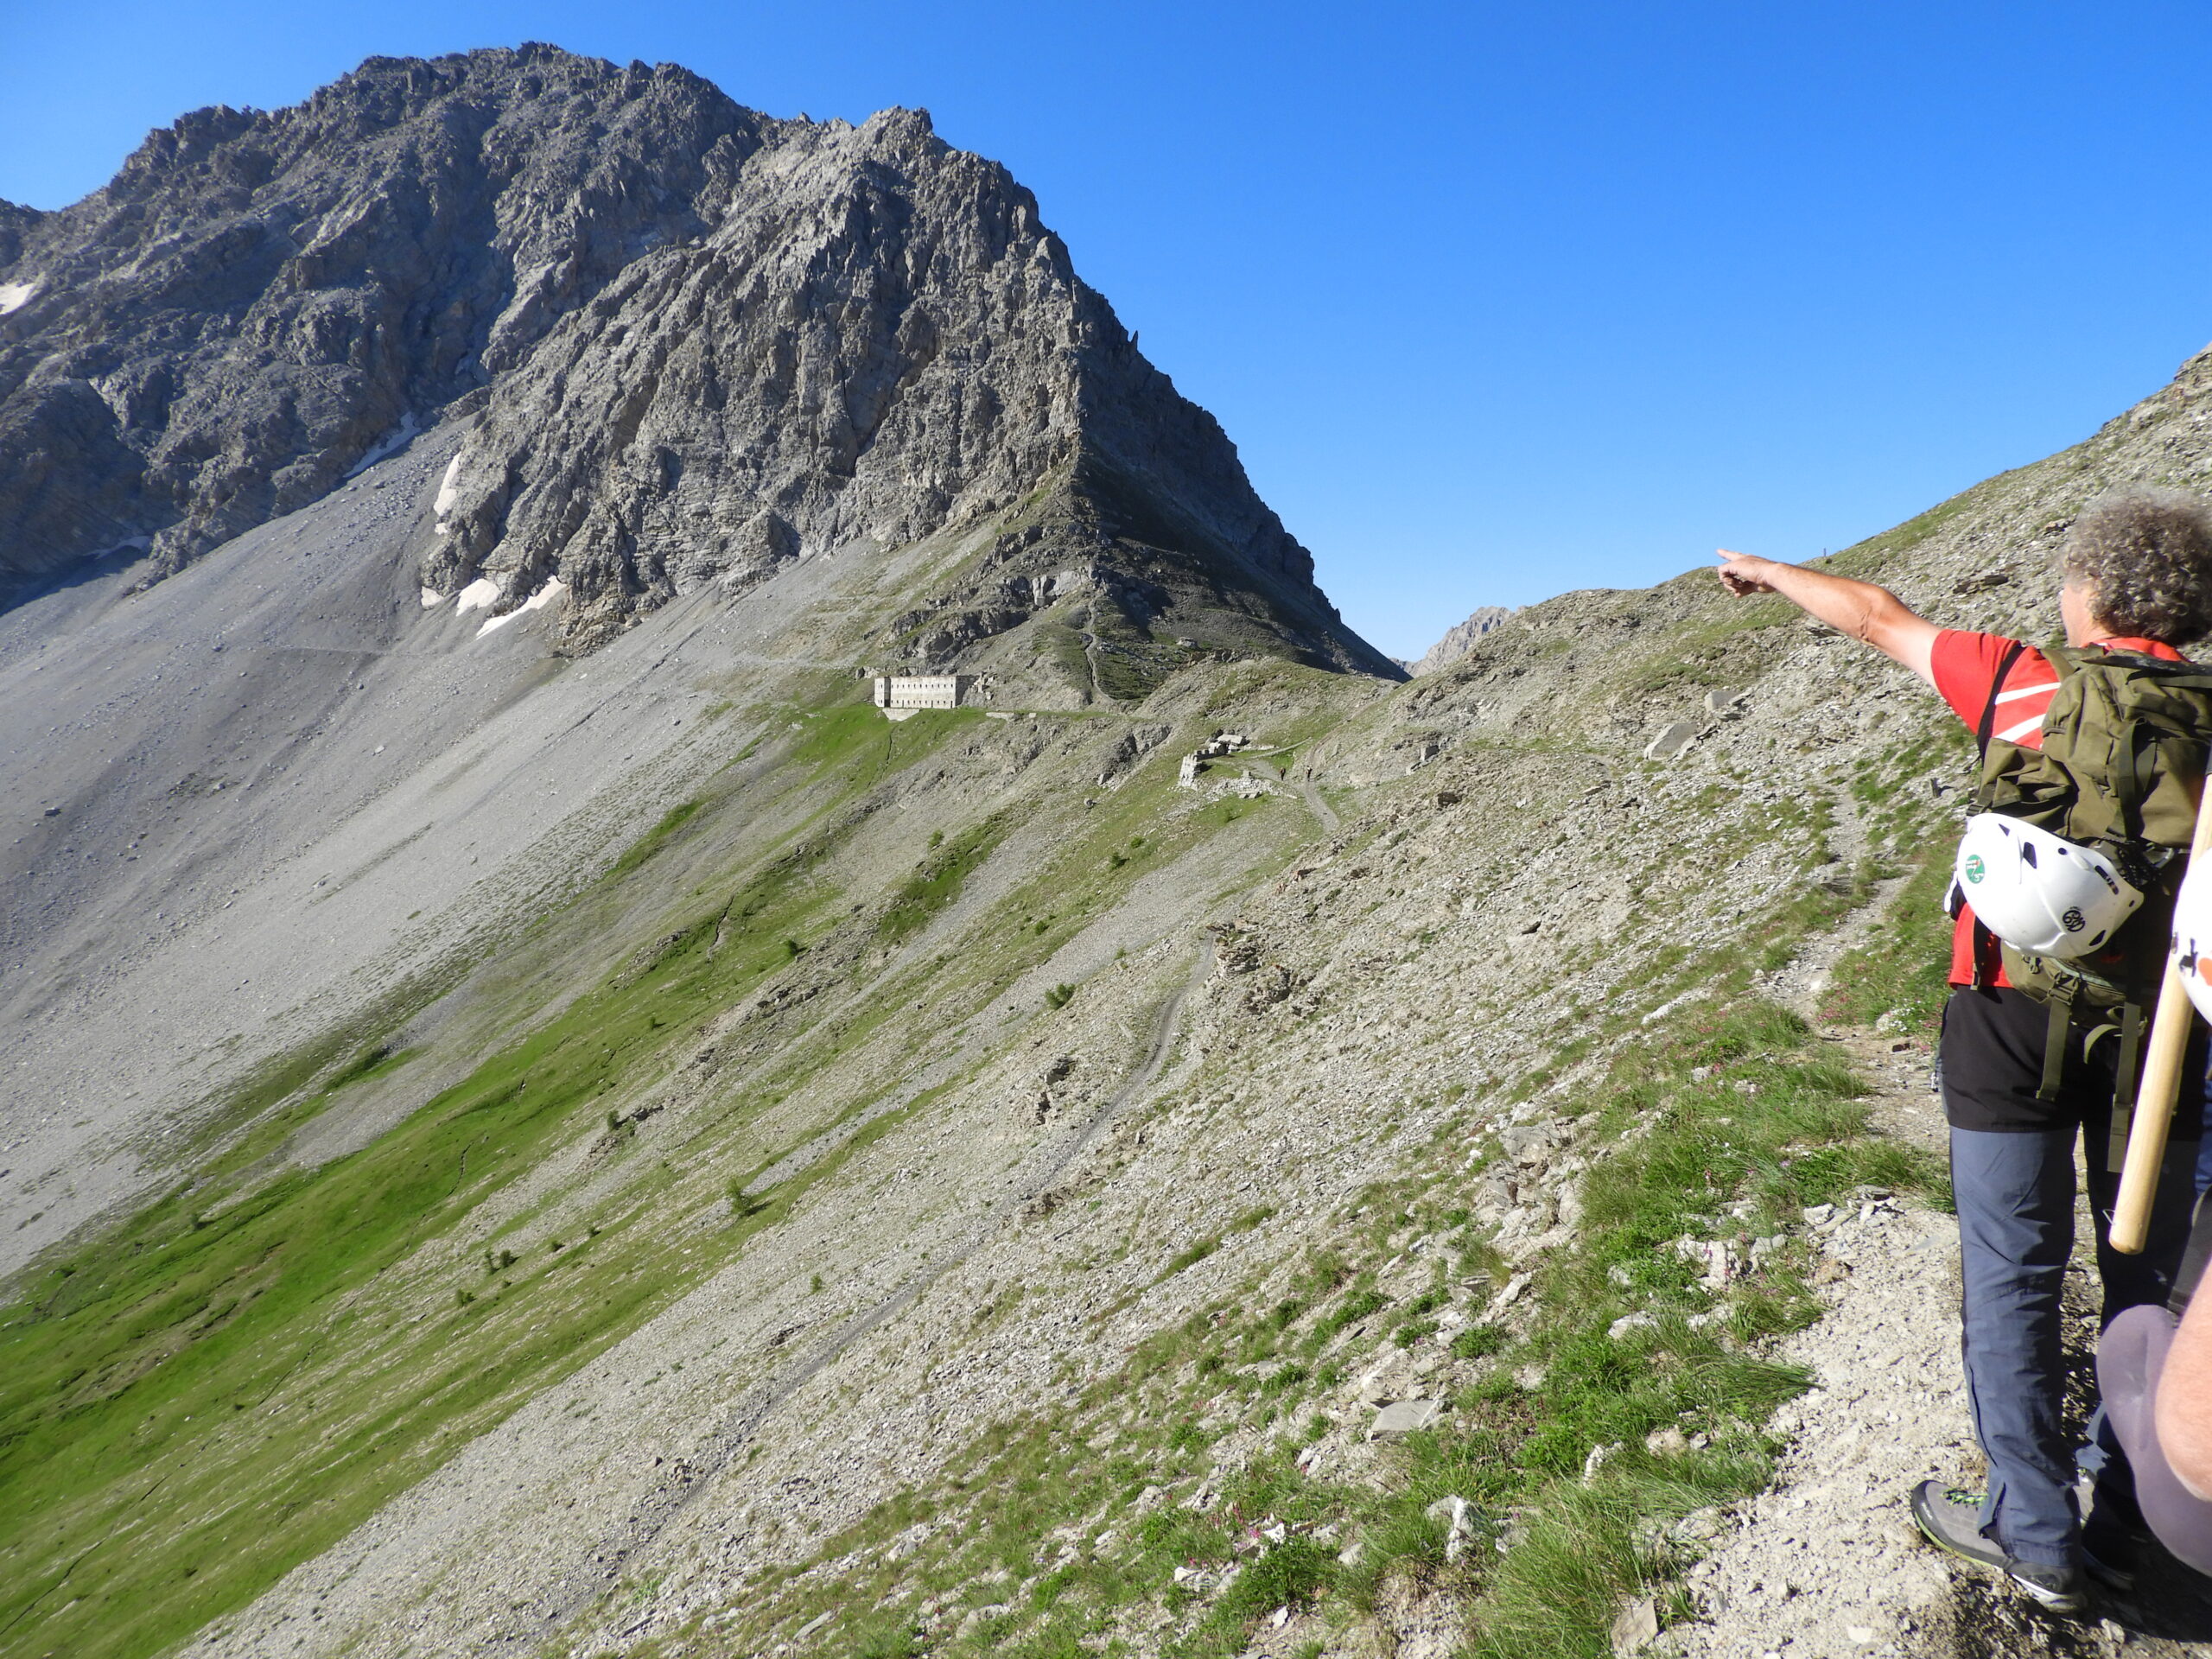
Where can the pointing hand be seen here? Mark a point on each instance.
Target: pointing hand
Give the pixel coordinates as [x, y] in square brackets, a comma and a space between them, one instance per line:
[1742, 573]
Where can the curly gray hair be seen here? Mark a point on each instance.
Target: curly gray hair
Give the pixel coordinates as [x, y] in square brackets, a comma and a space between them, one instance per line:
[2145, 555]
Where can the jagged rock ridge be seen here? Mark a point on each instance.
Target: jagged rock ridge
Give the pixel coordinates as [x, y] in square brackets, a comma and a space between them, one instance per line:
[1458, 640]
[697, 342]
[258, 298]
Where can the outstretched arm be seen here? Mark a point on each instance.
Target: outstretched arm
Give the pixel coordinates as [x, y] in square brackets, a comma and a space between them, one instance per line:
[1858, 608]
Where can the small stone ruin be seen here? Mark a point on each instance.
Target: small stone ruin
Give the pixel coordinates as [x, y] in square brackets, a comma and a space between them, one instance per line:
[1220, 746]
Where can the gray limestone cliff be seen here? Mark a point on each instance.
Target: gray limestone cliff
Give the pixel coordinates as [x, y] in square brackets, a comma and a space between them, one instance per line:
[1461, 640]
[692, 343]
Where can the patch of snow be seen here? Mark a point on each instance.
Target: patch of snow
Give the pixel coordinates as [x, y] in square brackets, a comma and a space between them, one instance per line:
[553, 589]
[136, 543]
[449, 492]
[401, 437]
[432, 597]
[14, 296]
[481, 594]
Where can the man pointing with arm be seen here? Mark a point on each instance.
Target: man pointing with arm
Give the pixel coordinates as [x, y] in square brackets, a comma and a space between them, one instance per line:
[2137, 579]
[1872, 615]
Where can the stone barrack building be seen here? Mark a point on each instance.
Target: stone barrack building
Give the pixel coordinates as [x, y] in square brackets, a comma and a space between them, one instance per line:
[900, 695]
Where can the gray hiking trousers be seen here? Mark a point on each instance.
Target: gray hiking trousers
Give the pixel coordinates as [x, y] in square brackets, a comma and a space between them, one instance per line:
[2013, 1178]
[2015, 1195]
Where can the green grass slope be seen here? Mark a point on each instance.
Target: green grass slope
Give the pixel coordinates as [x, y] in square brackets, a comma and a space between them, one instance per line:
[243, 1371]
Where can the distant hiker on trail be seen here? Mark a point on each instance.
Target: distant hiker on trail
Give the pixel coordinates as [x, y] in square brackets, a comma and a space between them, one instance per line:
[2042, 1031]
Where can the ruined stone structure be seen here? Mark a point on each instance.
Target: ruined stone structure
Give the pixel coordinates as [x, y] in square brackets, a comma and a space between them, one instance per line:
[1216, 747]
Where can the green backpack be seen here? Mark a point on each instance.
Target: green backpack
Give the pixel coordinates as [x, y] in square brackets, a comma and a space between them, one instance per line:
[2124, 748]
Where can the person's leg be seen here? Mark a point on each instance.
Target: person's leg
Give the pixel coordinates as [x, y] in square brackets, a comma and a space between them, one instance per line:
[2201, 1093]
[2130, 1281]
[2015, 1197]
[2204, 1146]
[2144, 1279]
[2130, 1361]
[2012, 1179]
[2148, 1276]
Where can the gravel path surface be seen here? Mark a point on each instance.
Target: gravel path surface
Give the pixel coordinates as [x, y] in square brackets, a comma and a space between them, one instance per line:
[1827, 1562]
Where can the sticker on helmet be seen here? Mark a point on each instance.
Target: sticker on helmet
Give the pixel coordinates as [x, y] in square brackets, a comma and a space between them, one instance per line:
[2071, 921]
[1975, 867]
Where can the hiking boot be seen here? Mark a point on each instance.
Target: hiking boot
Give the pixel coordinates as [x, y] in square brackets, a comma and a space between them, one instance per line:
[2111, 1569]
[2111, 1550]
[1952, 1521]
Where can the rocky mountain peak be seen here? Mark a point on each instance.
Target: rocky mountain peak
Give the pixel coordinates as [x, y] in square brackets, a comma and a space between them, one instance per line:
[690, 343]
[259, 298]
[1460, 638]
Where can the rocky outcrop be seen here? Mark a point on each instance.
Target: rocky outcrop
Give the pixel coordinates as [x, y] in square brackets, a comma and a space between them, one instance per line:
[693, 343]
[1459, 640]
[259, 299]
[878, 340]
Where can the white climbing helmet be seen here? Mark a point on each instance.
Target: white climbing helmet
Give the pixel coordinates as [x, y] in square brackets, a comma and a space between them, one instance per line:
[2040, 892]
[2191, 948]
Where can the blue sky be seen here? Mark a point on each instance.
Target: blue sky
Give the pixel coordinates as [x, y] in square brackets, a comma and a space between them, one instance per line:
[1496, 300]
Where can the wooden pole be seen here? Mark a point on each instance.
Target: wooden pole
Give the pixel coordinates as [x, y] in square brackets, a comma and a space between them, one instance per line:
[2154, 1103]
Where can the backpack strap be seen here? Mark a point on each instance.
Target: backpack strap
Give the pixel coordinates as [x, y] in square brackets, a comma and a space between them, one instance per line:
[1988, 721]
[2054, 1038]
[2126, 1072]
[1988, 956]
[1985, 959]
[2134, 772]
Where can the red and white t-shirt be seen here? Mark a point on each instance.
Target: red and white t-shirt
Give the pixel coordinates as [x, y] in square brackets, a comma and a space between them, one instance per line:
[1965, 666]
